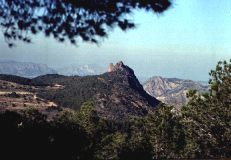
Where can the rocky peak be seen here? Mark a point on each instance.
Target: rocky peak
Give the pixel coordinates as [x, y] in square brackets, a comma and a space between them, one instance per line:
[121, 67]
[110, 67]
[122, 74]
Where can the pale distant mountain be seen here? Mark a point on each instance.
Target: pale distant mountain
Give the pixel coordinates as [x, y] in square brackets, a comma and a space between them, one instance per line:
[82, 70]
[31, 70]
[172, 91]
[25, 69]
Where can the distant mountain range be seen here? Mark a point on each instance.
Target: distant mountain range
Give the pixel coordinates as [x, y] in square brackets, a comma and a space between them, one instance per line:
[172, 91]
[31, 70]
[25, 69]
[81, 70]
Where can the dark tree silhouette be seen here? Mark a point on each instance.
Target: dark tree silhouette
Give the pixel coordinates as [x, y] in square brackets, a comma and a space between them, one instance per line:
[88, 20]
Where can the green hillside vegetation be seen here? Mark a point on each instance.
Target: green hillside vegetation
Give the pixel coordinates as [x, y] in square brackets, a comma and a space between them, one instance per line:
[115, 95]
[15, 79]
[201, 129]
[77, 89]
[80, 89]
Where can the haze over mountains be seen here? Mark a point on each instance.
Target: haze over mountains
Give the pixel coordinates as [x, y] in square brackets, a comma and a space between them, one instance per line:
[81, 70]
[25, 69]
[31, 70]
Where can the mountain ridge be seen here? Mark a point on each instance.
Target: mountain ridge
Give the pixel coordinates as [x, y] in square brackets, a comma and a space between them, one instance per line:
[115, 95]
[172, 91]
[32, 70]
[25, 69]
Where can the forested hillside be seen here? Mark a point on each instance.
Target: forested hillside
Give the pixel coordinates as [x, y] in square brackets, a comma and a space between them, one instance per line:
[201, 129]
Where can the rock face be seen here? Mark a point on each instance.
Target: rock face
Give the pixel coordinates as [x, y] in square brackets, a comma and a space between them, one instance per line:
[110, 67]
[24, 69]
[172, 91]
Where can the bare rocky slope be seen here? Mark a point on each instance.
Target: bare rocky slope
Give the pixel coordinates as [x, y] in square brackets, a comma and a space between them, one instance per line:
[172, 91]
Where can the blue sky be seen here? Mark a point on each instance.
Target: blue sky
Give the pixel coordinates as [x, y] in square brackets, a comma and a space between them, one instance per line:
[185, 42]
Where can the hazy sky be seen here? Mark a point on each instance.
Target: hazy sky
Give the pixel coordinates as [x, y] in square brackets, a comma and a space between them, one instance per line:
[185, 42]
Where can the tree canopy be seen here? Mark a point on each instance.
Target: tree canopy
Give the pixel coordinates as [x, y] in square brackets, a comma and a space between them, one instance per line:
[199, 130]
[88, 20]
